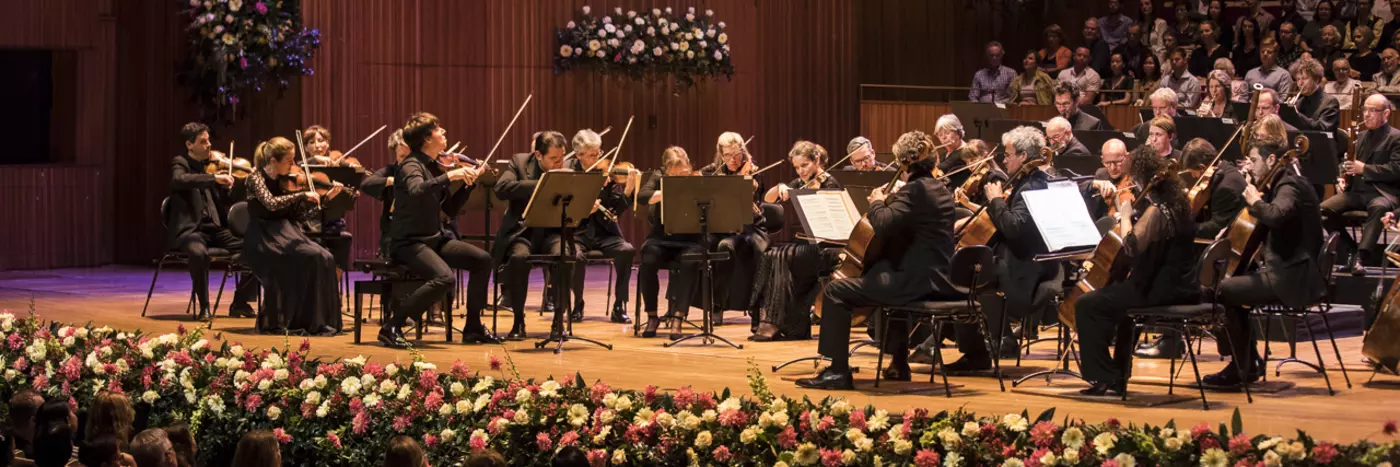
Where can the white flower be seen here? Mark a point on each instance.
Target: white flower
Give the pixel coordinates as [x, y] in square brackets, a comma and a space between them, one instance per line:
[1125, 460]
[657, 51]
[749, 435]
[228, 18]
[780, 419]
[457, 388]
[1071, 456]
[610, 28]
[1103, 443]
[1049, 459]
[1214, 457]
[970, 429]
[479, 433]
[613, 43]
[350, 386]
[371, 400]
[571, 25]
[619, 35]
[656, 12]
[865, 445]
[675, 46]
[1267, 444]
[483, 384]
[446, 409]
[617, 10]
[237, 351]
[550, 388]
[668, 10]
[619, 456]
[323, 410]
[690, 16]
[1172, 444]
[949, 437]
[903, 447]
[1272, 459]
[37, 351]
[578, 415]
[522, 417]
[280, 374]
[721, 24]
[651, 31]
[69, 341]
[602, 33]
[703, 439]
[639, 21]
[215, 404]
[638, 47]
[150, 397]
[82, 333]
[264, 384]
[481, 402]
[627, 29]
[1073, 437]
[523, 395]
[709, 416]
[689, 36]
[607, 20]
[607, 416]
[719, 56]
[1014, 422]
[387, 387]
[854, 435]
[1013, 462]
[848, 457]
[464, 406]
[702, 44]
[593, 45]
[391, 370]
[313, 397]
[586, 10]
[273, 412]
[602, 435]
[953, 459]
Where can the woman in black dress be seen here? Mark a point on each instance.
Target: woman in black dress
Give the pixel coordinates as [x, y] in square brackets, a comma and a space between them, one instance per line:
[298, 275]
[789, 276]
[662, 248]
[734, 278]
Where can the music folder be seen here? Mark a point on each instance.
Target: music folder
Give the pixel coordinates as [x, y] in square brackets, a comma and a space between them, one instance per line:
[351, 177]
[827, 215]
[1062, 218]
[727, 201]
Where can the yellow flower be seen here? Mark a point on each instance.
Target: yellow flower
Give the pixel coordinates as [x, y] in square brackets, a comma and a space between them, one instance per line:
[1215, 458]
[227, 38]
[807, 454]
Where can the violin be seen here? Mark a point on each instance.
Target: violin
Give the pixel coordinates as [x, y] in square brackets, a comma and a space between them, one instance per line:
[1198, 197]
[237, 167]
[451, 161]
[295, 181]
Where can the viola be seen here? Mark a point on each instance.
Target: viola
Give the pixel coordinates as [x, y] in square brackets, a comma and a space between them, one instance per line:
[295, 181]
[237, 167]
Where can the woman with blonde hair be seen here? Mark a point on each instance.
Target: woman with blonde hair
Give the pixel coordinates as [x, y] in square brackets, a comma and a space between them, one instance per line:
[111, 414]
[734, 279]
[661, 248]
[298, 274]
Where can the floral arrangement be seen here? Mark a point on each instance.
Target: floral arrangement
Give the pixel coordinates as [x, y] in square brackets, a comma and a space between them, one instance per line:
[343, 412]
[239, 46]
[639, 45]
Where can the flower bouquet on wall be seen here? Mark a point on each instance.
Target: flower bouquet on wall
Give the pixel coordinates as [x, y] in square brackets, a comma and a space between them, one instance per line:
[647, 45]
[236, 47]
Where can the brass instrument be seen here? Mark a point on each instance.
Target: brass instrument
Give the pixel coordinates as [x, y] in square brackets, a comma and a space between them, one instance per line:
[1247, 135]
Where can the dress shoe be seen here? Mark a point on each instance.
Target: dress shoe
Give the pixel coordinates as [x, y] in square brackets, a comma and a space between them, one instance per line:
[517, 331]
[897, 372]
[830, 380]
[677, 328]
[921, 356]
[326, 331]
[619, 313]
[548, 304]
[1162, 348]
[1009, 348]
[653, 323]
[1230, 376]
[242, 311]
[967, 364]
[204, 314]
[478, 335]
[576, 313]
[392, 337]
[1357, 268]
[1102, 389]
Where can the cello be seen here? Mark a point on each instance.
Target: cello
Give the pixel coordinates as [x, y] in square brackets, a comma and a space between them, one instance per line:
[1246, 234]
[1379, 344]
[979, 229]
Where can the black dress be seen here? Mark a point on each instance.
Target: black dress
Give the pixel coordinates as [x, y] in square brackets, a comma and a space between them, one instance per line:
[734, 279]
[788, 279]
[298, 275]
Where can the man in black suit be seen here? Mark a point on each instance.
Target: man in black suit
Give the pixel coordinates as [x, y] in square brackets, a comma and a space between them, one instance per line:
[1290, 274]
[1373, 181]
[421, 191]
[1060, 135]
[1017, 242]
[514, 242]
[601, 233]
[1269, 102]
[919, 215]
[1317, 110]
[1227, 196]
[1067, 103]
[197, 219]
[1098, 193]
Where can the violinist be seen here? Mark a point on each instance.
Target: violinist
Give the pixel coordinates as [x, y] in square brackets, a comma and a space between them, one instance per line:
[380, 184]
[318, 148]
[662, 248]
[331, 231]
[601, 233]
[1159, 242]
[1059, 134]
[196, 218]
[949, 131]
[417, 239]
[735, 278]
[862, 156]
[1067, 104]
[789, 275]
[969, 195]
[1289, 274]
[1317, 111]
[514, 242]
[300, 274]
[1373, 182]
[1226, 195]
[1099, 192]
[1017, 241]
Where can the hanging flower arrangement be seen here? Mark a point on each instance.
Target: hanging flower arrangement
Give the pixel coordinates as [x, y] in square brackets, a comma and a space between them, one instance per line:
[236, 47]
[640, 45]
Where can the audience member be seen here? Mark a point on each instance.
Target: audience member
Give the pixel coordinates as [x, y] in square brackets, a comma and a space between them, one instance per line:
[1149, 79]
[404, 452]
[487, 458]
[1082, 77]
[110, 414]
[1263, 20]
[182, 440]
[1204, 57]
[1185, 30]
[1118, 89]
[1032, 86]
[1113, 27]
[24, 406]
[1329, 49]
[1245, 54]
[152, 448]
[1388, 79]
[1269, 74]
[574, 457]
[1364, 61]
[104, 451]
[1098, 48]
[993, 83]
[1365, 16]
[1343, 87]
[1312, 31]
[1288, 49]
[256, 449]
[1290, 16]
[1055, 56]
[53, 445]
[1187, 87]
[1224, 33]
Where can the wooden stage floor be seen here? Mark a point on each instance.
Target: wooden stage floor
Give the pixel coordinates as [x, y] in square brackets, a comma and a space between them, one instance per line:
[113, 296]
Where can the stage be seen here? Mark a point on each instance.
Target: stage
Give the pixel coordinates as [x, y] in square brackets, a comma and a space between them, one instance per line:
[113, 296]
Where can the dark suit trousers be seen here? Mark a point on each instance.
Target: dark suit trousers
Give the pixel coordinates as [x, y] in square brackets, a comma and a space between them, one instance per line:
[839, 299]
[1100, 316]
[196, 245]
[1375, 206]
[681, 287]
[538, 242]
[435, 261]
[621, 253]
[1236, 293]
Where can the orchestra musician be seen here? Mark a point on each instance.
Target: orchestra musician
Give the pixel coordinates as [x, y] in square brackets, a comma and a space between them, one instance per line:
[1160, 245]
[919, 215]
[1060, 136]
[1226, 196]
[1017, 241]
[1317, 111]
[1161, 135]
[1098, 193]
[862, 156]
[514, 242]
[418, 243]
[318, 148]
[1289, 275]
[1163, 102]
[380, 184]
[196, 219]
[332, 232]
[949, 131]
[1374, 183]
[1067, 104]
[789, 275]
[1268, 105]
[599, 232]
[298, 273]
[735, 278]
[662, 248]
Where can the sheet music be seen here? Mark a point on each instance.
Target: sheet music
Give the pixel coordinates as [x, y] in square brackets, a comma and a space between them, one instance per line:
[829, 215]
[1061, 216]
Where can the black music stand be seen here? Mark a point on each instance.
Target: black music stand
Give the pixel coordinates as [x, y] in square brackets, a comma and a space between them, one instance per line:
[1217, 131]
[483, 198]
[860, 183]
[561, 201]
[1096, 112]
[1321, 162]
[979, 115]
[705, 205]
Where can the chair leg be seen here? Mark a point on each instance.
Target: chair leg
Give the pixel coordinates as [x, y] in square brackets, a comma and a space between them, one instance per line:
[884, 337]
[1333, 337]
[637, 310]
[359, 312]
[219, 298]
[1021, 340]
[159, 264]
[607, 303]
[994, 350]
[1268, 325]
[1321, 366]
[1205, 405]
[938, 362]
[189, 306]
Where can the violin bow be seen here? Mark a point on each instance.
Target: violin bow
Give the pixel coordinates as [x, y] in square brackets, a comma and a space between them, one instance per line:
[612, 152]
[508, 127]
[230, 158]
[305, 168]
[362, 142]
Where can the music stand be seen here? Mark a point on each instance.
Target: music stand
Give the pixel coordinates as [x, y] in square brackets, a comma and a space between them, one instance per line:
[978, 115]
[860, 183]
[1319, 164]
[561, 201]
[705, 205]
[484, 199]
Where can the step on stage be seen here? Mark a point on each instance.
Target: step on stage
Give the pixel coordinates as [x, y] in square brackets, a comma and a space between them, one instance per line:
[113, 296]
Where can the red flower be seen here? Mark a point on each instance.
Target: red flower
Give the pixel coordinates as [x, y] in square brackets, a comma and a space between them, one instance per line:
[649, 393]
[1200, 430]
[402, 422]
[788, 438]
[542, 441]
[826, 423]
[857, 419]
[1043, 434]
[569, 439]
[1109, 463]
[477, 444]
[831, 457]
[721, 453]
[282, 436]
[430, 440]
[733, 418]
[433, 402]
[335, 440]
[262, 9]
[599, 390]
[1208, 443]
[428, 379]
[597, 458]
[684, 397]
[495, 363]
[460, 370]
[1034, 459]
[1389, 427]
[305, 343]
[926, 458]
[1324, 452]
[1240, 444]
[15, 342]
[252, 403]
[180, 330]
[1113, 423]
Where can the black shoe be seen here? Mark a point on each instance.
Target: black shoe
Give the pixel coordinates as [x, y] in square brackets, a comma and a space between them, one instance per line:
[326, 331]
[1102, 389]
[1357, 268]
[969, 364]
[829, 380]
[517, 331]
[653, 323]
[242, 311]
[1230, 376]
[1010, 348]
[478, 335]
[548, 304]
[619, 313]
[204, 314]
[576, 314]
[392, 337]
[897, 372]
[1163, 348]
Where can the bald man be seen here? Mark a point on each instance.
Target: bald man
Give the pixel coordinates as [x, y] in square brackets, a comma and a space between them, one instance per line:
[1060, 135]
[1373, 186]
[1114, 157]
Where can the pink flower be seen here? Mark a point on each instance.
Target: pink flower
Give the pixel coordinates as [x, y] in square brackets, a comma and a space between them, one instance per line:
[684, 397]
[112, 386]
[1034, 459]
[361, 423]
[305, 343]
[41, 382]
[428, 379]
[494, 362]
[1043, 434]
[282, 436]
[1109, 463]
[460, 370]
[252, 403]
[335, 440]
[1200, 430]
[180, 330]
[926, 458]
[1240, 444]
[721, 453]
[650, 393]
[433, 402]
[402, 422]
[1389, 427]
[430, 440]
[733, 418]
[1208, 443]
[1324, 452]
[788, 438]
[831, 457]
[569, 439]
[477, 444]
[357, 405]
[21, 363]
[262, 9]
[15, 342]
[542, 441]
[857, 419]
[597, 458]
[826, 423]
[182, 358]
[1113, 423]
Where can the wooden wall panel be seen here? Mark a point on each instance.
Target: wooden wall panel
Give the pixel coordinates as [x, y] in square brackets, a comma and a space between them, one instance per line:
[53, 217]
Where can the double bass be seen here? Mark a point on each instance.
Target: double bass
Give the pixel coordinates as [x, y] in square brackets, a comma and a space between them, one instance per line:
[1380, 344]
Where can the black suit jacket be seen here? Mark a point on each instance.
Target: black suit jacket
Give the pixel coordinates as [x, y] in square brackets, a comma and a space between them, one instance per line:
[1081, 121]
[515, 186]
[917, 221]
[1379, 149]
[189, 186]
[419, 196]
[1075, 149]
[1318, 112]
[1290, 212]
[376, 186]
[1017, 242]
[1226, 200]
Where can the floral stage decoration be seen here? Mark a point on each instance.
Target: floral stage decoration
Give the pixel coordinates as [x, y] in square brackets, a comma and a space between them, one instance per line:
[646, 45]
[238, 47]
[343, 412]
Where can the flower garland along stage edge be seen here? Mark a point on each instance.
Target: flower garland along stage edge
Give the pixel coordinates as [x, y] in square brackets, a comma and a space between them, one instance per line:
[237, 47]
[641, 45]
[344, 412]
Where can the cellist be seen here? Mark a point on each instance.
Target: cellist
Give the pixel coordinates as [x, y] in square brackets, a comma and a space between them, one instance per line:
[919, 215]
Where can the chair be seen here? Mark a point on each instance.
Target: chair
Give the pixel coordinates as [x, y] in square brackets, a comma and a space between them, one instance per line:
[1321, 308]
[971, 270]
[176, 256]
[591, 258]
[387, 280]
[1186, 318]
[238, 219]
